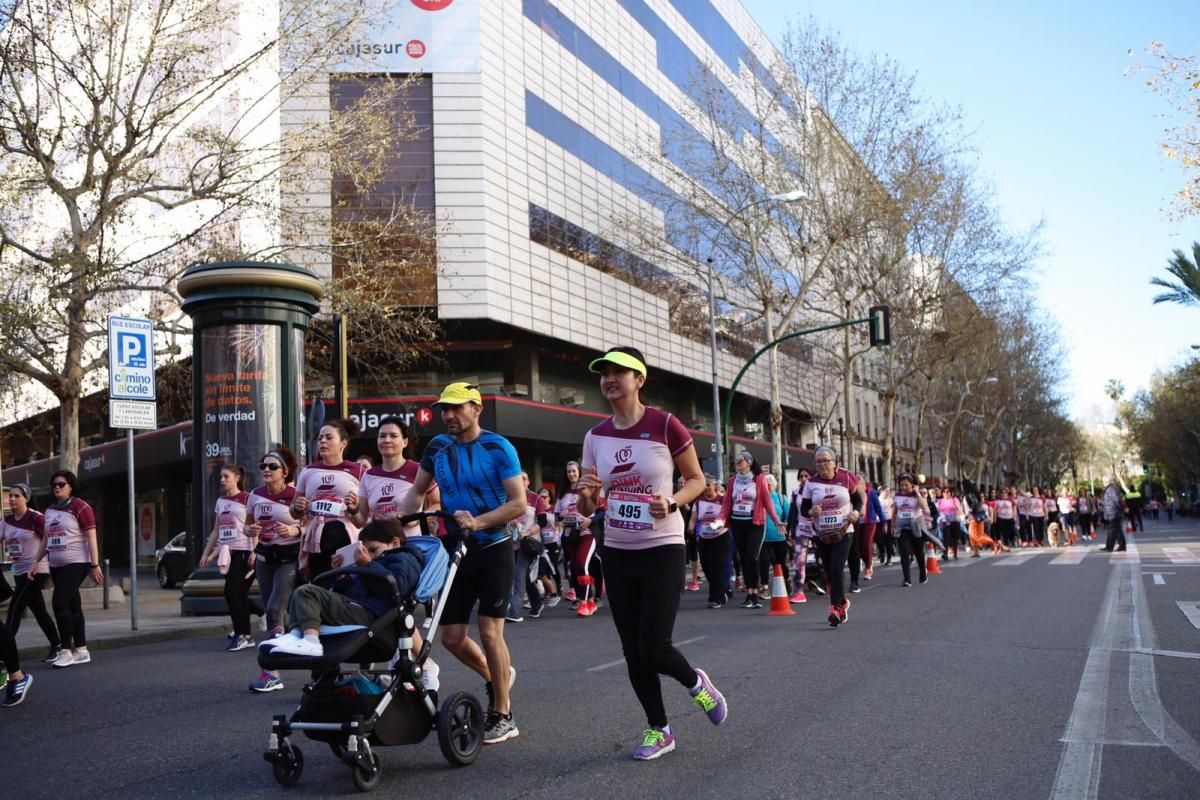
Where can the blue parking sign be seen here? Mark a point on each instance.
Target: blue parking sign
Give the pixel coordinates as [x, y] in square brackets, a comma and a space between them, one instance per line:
[130, 359]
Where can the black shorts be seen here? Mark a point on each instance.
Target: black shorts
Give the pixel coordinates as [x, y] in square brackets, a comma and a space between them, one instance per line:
[485, 576]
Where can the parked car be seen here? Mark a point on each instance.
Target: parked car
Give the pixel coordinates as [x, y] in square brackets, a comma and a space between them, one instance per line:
[171, 562]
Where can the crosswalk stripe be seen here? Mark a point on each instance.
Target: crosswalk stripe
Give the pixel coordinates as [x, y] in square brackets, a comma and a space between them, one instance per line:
[1181, 555]
[1016, 560]
[1071, 557]
[1130, 555]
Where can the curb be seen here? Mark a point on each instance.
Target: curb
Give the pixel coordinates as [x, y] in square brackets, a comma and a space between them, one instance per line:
[134, 638]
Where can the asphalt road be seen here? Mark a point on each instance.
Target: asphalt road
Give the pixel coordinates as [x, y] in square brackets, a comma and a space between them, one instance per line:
[1010, 677]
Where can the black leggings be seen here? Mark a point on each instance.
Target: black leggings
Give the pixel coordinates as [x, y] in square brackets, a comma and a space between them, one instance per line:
[68, 607]
[911, 547]
[833, 557]
[748, 539]
[885, 543]
[1037, 529]
[1006, 531]
[6, 591]
[237, 591]
[8, 651]
[776, 553]
[714, 555]
[29, 595]
[643, 595]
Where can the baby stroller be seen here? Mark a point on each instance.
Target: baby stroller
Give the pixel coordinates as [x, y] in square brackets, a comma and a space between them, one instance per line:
[355, 711]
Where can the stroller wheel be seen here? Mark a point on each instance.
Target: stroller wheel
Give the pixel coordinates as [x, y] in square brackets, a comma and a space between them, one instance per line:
[460, 728]
[367, 777]
[289, 766]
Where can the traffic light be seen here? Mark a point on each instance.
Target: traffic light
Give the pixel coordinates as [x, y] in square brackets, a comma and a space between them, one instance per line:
[881, 325]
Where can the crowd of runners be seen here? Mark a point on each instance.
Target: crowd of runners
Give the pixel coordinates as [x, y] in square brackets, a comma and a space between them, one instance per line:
[633, 525]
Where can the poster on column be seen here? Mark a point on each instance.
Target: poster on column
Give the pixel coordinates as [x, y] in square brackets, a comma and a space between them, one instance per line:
[241, 402]
[417, 36]
[147, 528]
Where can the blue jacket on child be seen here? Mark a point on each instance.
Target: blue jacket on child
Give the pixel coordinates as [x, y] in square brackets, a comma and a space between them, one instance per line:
[403, 564]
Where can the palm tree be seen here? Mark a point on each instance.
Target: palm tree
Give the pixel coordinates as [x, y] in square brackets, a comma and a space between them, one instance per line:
[1187, 291]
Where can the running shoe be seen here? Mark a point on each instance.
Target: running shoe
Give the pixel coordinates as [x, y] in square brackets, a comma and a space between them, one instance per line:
[15, 693]
[586, 609]
[710, 699]
[535, 613]
[64, 660]
[835, 618]
[239, 643]
[799, 597]
[300, 647]
[765, 593]
[854, 587]
[869, 574]
[691, 587]
[553, 600]
[81, 656]
[924, 579]
[570, 595]
[266, 683]
[755, 602]
[429, 675]
[907, 583]
[499, 728]
[748, 602]
[55, 652]
[815, 588]
[844, 611]
[714, 604]
[491, 694]
[511, 617]
[655, 742]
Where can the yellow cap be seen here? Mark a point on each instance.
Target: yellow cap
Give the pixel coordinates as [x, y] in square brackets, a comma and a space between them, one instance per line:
[621, 360]
[455, 394]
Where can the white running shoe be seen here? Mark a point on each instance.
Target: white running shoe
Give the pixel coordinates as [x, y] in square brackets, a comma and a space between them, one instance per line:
[299, 647]
[282, 638]
[429, 676]
[81, 656]
[64, 660]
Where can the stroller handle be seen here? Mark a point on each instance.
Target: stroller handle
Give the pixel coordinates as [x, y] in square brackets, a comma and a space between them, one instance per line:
[421, 516]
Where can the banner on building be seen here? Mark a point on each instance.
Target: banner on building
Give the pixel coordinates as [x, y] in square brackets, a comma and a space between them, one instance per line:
[418, 36]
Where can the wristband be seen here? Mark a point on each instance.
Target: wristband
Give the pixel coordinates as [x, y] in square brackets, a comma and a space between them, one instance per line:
[93, 566]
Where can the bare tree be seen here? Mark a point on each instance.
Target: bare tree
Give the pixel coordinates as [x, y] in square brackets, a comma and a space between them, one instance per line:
[136, 139]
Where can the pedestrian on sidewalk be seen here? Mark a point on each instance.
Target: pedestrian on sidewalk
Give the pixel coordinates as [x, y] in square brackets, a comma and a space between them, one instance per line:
[1113, 508]
[24, 535]
[74, 555]
[232, 548]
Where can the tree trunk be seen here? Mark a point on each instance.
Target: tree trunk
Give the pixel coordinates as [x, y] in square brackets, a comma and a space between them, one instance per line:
[919, 441]
[889, 438]
[776, 405]
[68, 437]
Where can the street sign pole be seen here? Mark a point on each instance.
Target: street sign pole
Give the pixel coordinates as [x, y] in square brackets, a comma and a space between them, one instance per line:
[133, 598]
[131, 405]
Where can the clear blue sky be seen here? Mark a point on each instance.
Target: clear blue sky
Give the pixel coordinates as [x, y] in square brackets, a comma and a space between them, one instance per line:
[1064, 135]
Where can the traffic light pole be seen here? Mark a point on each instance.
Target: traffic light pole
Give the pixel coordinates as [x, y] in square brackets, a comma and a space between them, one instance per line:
[880, 337]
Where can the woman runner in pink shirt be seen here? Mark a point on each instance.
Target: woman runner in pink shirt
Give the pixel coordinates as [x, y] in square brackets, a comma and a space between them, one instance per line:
[327, 491]
[74, 555]
[632, 457]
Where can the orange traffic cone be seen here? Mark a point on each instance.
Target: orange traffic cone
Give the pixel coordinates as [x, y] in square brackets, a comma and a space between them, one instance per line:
[780, 605]
[931, 562]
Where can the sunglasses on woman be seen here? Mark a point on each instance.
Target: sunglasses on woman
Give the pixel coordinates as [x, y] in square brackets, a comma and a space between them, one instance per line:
[271, 467]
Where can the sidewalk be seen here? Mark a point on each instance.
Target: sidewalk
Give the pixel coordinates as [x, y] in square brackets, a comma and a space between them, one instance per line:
[158, 620]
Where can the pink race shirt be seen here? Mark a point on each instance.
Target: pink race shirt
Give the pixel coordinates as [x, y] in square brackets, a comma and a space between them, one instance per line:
[1036, 507]
[273, 514]
[66, 527]
[908, 506]
[385, 492]
[231, 522]
[948, 508]
[831, 498]
[326, 489]
[1005, 509]
[567, 509]
[633, 465]
[22, 539]
[706, 514]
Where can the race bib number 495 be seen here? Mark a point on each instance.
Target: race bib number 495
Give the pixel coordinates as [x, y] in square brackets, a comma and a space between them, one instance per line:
[630, 512]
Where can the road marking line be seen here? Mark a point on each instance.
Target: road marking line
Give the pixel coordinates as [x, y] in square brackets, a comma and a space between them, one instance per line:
[1071, 557]
[1017, 559]
[1130, 555]
[620, 661]
[1159, 580]
[1191, 610]
[1181, 555]
[1171, 654]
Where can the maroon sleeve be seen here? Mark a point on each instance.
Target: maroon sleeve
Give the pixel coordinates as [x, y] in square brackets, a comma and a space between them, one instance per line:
[727, 500]
[85, 515]
[678, 437]
[408, 472]
[39, 524]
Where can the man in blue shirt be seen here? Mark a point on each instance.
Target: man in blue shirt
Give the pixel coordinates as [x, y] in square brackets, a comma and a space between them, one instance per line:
[479, 477]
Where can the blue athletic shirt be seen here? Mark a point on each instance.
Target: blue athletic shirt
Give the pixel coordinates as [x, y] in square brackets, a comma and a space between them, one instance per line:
[471, 478]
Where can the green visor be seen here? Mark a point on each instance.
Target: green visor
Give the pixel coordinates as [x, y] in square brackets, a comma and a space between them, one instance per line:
[621, 360]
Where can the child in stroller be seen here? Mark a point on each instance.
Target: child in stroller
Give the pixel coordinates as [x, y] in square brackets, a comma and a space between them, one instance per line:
[368, 620]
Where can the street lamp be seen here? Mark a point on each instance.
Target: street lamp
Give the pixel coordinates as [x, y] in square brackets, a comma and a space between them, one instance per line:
[784, 197]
